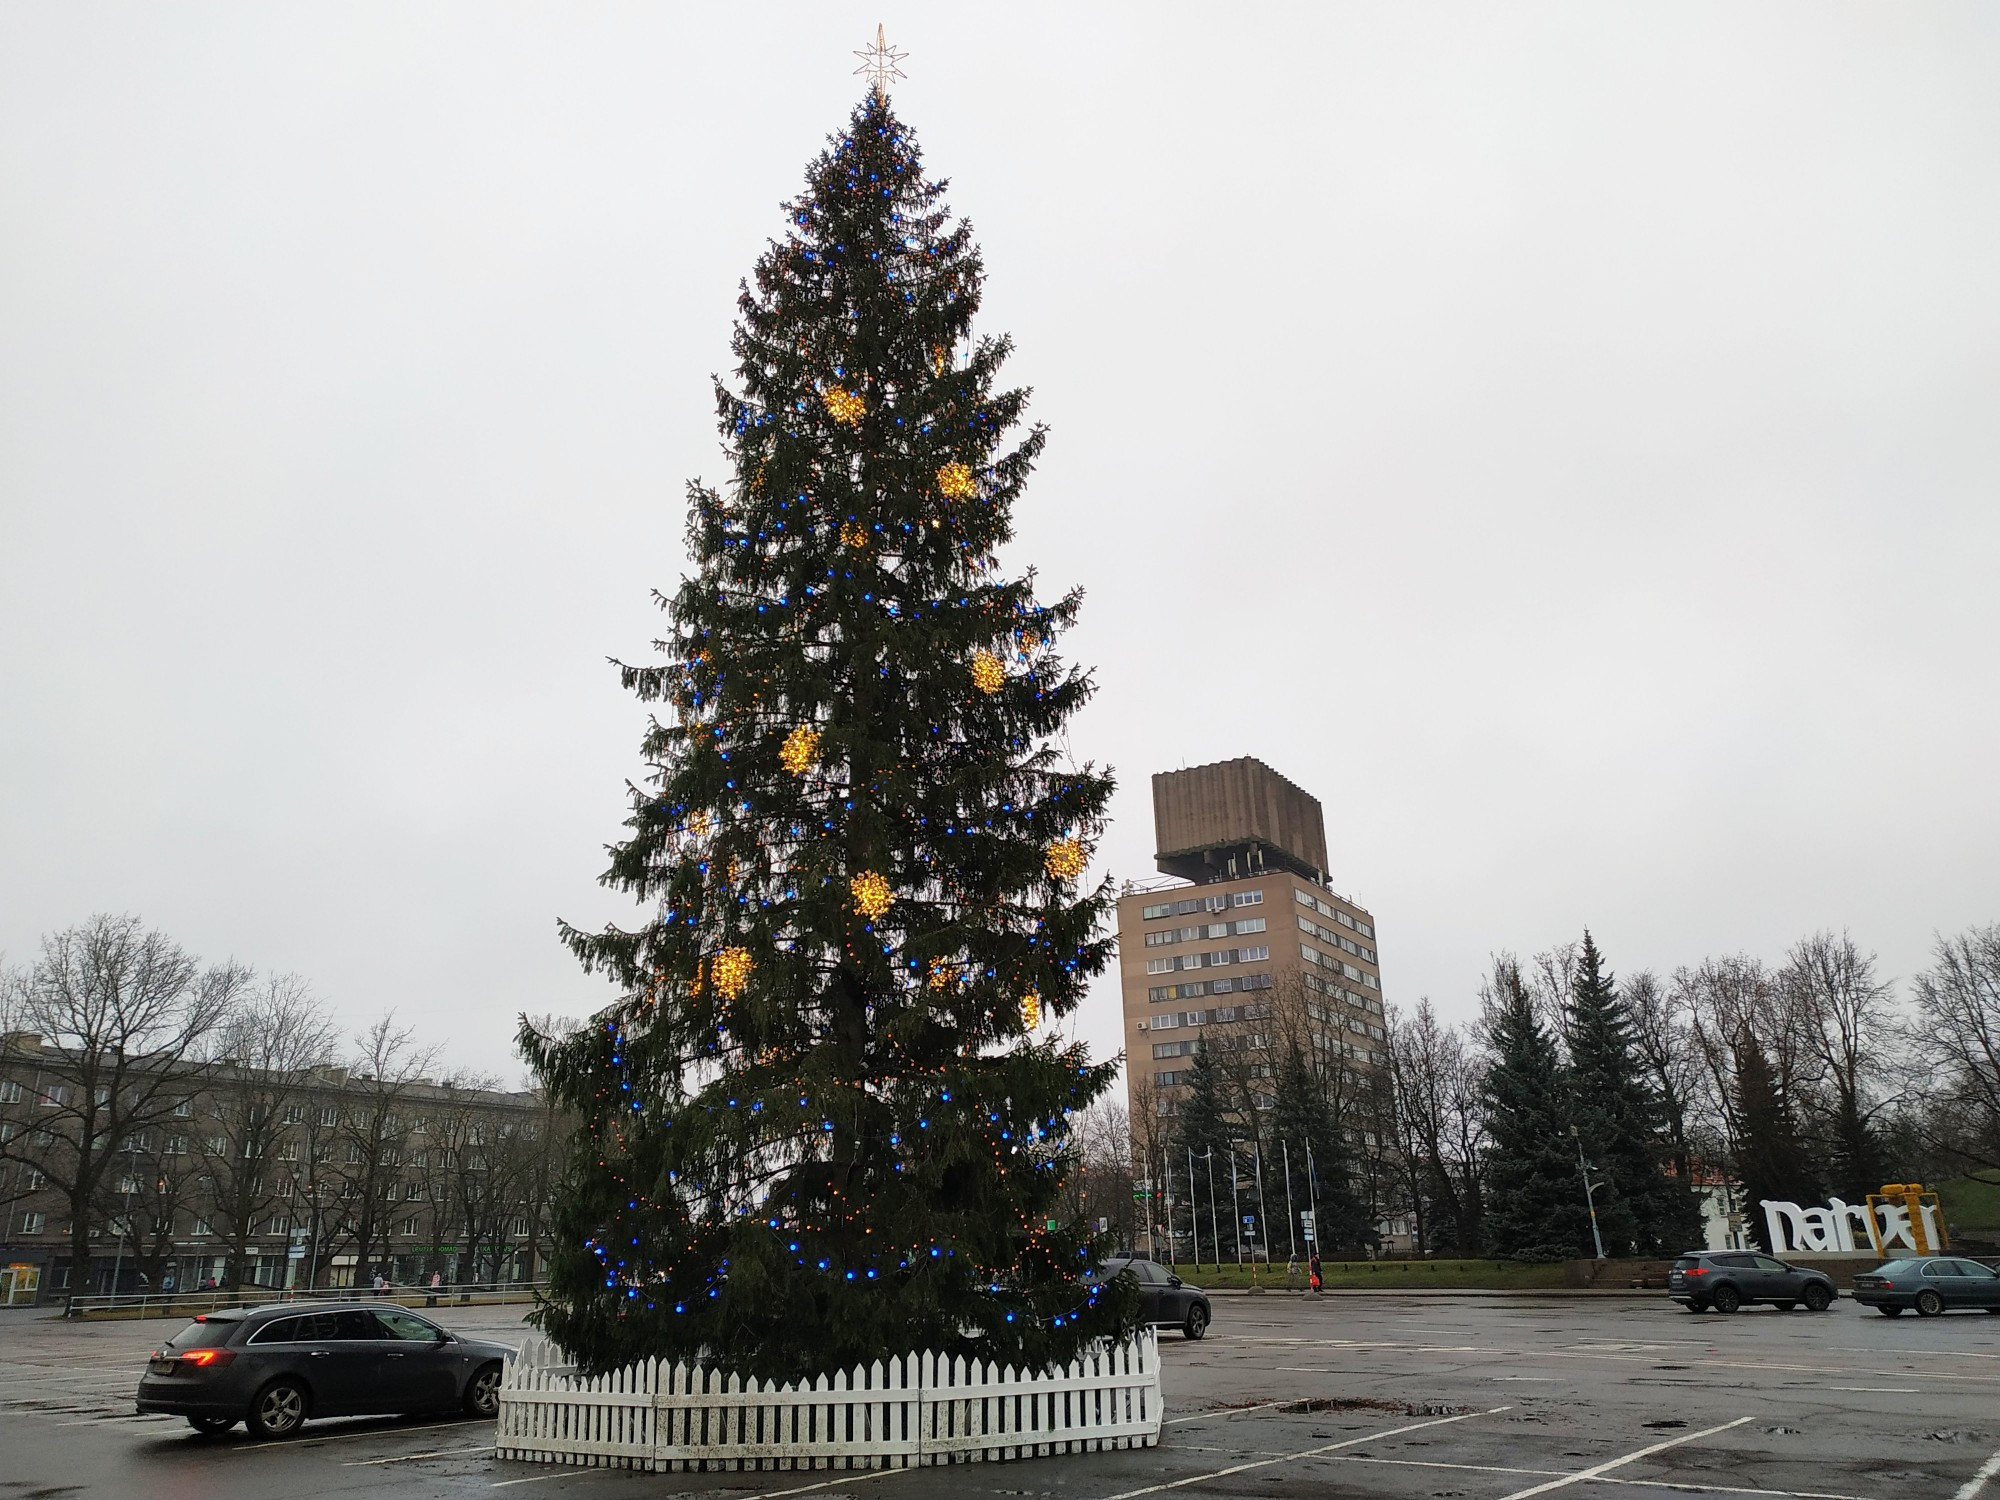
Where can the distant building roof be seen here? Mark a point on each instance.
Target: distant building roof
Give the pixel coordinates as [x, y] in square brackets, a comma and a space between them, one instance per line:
[1218, 821]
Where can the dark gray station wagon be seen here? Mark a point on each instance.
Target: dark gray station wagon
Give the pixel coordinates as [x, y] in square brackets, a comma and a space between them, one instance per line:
[275, 1367]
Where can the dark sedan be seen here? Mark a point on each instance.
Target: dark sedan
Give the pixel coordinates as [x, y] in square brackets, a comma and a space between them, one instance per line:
[275, 1367]
[1930, 1283]
[1164, 1298]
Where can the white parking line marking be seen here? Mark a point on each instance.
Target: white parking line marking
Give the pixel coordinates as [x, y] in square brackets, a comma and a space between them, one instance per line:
[1977, 1482]
[1265, 1463]
[335, 1437]
[1609, 1464]
[1651, 1484]
[1227, 1411]
[1893, 1390]
[410, 1458]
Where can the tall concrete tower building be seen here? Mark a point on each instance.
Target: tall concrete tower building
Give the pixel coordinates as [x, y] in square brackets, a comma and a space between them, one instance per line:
[1243, 919]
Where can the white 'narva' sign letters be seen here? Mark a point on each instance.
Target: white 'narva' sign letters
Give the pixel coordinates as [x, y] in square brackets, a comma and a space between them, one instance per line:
[1834, 1230]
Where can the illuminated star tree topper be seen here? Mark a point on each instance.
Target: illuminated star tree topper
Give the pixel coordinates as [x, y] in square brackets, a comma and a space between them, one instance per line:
[880, 64]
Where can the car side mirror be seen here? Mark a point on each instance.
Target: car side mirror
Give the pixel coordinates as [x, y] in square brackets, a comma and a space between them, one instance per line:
[1173, 1281]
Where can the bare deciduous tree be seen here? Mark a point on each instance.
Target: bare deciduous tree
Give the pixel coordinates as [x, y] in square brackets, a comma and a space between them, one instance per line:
[130, 1018]
[1441, 1120]
[1662, 1032]
[1958, 1019]
[374, 1133]
[268, 1048]
[1841, 1010]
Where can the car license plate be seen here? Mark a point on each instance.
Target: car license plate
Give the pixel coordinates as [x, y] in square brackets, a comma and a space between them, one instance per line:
[161, 1366]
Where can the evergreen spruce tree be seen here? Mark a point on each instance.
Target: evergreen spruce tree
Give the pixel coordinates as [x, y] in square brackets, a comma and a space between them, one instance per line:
[1203, 1135]
[1303, 1120]
[1640, 1208]
[825, 1121]
[1535, 1208]
[1771, 1156]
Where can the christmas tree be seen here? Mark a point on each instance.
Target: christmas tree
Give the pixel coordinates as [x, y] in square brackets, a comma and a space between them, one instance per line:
[826, 1122]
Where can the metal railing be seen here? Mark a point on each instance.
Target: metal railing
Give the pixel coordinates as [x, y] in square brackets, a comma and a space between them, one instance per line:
[188, 1304]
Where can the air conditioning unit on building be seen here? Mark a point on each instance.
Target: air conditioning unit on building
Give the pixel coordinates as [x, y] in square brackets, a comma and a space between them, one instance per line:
[1142, 1025]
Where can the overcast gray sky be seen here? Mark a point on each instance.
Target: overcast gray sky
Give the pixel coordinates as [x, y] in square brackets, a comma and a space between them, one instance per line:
[1562, 437]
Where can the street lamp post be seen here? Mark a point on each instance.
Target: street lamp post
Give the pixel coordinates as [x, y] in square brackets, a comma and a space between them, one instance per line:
[1589, 1192]
[312, 1261]
[124, 1224]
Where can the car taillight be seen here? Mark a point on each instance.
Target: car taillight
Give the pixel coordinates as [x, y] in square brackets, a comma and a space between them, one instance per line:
[1697, 1271]
[207, 1359]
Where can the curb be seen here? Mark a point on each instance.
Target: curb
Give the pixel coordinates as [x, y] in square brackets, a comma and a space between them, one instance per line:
[1558, 1292]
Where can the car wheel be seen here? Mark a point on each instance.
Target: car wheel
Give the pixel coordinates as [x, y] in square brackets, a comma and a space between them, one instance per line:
[1697, 1307]
[1929, 1303]
[482, 1392]
[279, 1410]
[1890, 1312]
[1818, 1298]
[1727, 1299]
[210, 1426]
[1786, 1306]
[1197, 1322]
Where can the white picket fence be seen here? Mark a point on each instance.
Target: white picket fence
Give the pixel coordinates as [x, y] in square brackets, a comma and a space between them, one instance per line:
[917, 1409]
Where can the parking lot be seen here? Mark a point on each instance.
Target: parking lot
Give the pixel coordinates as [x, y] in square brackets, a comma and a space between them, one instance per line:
[1416, 1398]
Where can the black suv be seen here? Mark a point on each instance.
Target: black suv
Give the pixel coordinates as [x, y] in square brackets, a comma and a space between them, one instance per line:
[1163, 1297]
[273, 1367]
[1728, 1279]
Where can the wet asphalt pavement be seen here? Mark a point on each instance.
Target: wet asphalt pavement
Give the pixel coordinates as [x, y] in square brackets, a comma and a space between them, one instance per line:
[1399, 1397]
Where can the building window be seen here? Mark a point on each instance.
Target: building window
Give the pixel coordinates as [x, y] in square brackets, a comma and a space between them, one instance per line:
[410, 1227]
[184, 1107]
[1176, 1049]
[54, 1096]
[1214, 959]
[1194, 989]
[413, 1192]
[201, 1230]
[286, 1187]
[11, 1091]
[288, 1151]
[520, 1224]
[353, 1153]
[1165, 1080]
[31, 1223]
[329, 1116]
[294, 1113]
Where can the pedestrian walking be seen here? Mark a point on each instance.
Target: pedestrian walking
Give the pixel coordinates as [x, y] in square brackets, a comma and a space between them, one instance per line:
[437, 1280]
[1292, 1272]
[1317, 1284]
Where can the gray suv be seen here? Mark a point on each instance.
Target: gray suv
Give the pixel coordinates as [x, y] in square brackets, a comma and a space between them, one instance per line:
[1728, 1279]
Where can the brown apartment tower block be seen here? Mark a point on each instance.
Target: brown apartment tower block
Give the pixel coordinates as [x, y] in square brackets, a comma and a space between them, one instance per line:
[1245, 922]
